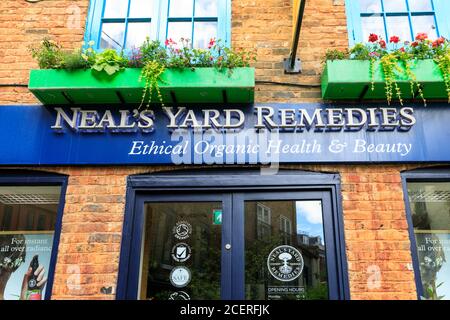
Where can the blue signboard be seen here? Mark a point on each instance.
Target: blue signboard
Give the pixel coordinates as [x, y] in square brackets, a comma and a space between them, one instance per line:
[244, 134]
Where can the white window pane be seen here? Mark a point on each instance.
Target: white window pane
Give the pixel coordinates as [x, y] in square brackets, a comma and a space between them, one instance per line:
[141, 8]
[112, 35]
[206, 8]
[181, 8]
[420, 5]
[398, 26]
[178, 30]
[372, 25]
[395, 6]
[115, 9]
[370, 6]
[203, 33]
[137, 33]
[424, 24]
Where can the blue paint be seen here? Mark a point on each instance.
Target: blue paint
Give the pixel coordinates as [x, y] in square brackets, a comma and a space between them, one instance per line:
[26, 138]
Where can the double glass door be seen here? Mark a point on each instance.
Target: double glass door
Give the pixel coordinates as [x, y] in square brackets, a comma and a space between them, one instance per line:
[236, 245]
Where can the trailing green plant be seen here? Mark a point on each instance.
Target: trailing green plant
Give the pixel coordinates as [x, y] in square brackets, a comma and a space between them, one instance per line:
[109, 61]
[151, 74]
[48, 54]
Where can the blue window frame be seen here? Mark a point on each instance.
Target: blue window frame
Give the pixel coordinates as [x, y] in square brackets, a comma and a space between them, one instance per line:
[402, 18]
[124, 24]
[27, 179]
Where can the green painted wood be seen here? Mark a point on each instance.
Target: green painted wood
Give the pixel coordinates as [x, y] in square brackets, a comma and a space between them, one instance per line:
[202, 85]
[349, 79]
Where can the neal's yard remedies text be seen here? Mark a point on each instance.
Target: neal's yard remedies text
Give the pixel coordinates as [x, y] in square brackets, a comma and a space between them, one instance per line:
[281, 119]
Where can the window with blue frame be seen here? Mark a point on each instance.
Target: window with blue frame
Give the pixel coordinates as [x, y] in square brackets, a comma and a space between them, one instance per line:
[402, 18]
[124, 24]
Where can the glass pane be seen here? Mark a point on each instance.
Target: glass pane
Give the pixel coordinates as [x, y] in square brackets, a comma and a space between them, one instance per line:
[424, 24]
[137, 32]
[27, 224]
[203, 33]
[395, 6]
[399, 26]
[286, 263]
[178, 30]
[206, 8]
[430, 207]
[420, 5]
[112, 35]
[115, 9]
[181, 255]
[372, 25]
[141, 9]
[181, 8]
[370, 6]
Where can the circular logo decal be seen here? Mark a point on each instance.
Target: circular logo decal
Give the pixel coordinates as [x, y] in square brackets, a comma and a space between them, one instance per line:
[182, 230]
[285, 263]
[180, 277]
[181, 252]
[180, 295]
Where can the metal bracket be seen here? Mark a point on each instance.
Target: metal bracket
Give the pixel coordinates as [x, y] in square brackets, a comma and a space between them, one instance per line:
[292, 68]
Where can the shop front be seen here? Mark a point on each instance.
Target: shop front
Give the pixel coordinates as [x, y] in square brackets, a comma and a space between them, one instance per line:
[252, 201]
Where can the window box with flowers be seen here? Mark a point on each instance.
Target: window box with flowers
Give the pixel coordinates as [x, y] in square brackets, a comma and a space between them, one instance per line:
[152, 73]
[394, 71]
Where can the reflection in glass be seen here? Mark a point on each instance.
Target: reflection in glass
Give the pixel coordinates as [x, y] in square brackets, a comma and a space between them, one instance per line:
[178, 30]
[398, 26]
[181, 8]
[430, 207]
[115, 9]
[297, 227]
[372, 25]
[206, 8]
[204, 32]
[198, 249]
[420, 5]
[137, 32]
[395, 6]
[112, 35]
[424, 24]
[370, 6]
[141, 8]
[27, 224]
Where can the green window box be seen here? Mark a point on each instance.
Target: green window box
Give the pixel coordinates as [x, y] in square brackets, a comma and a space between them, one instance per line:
[201, 85]
[351, 79]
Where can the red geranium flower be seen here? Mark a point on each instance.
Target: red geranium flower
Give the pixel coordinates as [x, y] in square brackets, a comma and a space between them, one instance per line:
[212, 41]
[414, 44]
[394, 39]
[421, 36]
[382, 44]
[373, 37]
[402, 49]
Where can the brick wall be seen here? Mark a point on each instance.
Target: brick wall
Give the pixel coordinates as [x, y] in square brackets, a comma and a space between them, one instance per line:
[374, 214]
[23, 24]
[376, 234]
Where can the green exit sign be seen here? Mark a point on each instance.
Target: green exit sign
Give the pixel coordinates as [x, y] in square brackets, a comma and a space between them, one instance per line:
[217, 217]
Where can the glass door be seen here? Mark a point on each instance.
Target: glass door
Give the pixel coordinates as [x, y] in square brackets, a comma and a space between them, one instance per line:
[284, 253]
[234, 245]
[183, 253]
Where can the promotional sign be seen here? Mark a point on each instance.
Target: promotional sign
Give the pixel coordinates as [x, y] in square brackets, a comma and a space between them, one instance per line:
[230, 134]
[25, 258]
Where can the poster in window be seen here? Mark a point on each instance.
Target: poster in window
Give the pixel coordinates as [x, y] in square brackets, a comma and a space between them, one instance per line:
[24, 265]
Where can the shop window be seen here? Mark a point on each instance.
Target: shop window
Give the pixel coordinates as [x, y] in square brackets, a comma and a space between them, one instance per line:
[263, 221]
[403, 18]
[429, 205]
[124, 24]
[27, 231]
